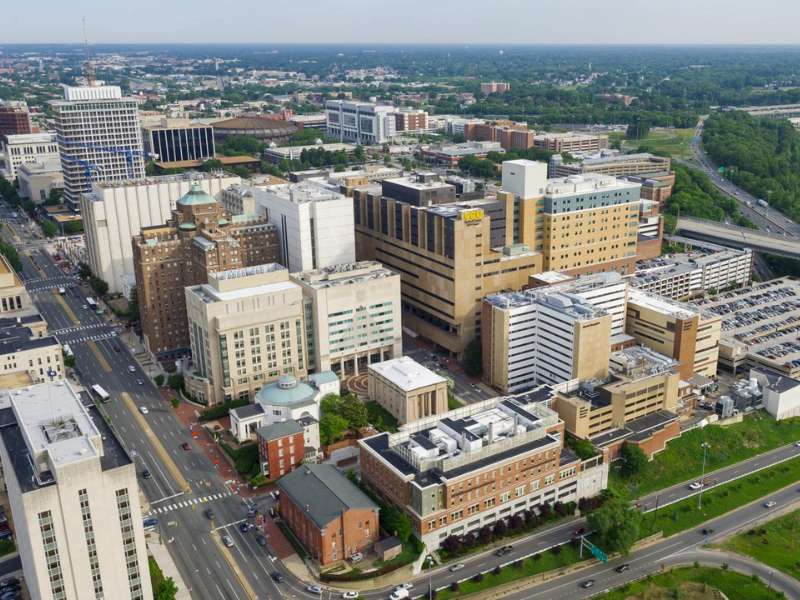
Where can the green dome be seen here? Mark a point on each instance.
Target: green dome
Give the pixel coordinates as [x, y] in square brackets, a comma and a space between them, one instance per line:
[223, 221]
[188, 226]
[287, 391]
[196, 195]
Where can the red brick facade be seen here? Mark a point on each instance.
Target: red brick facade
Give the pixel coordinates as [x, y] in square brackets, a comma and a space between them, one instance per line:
[355, 530]
[281, 455]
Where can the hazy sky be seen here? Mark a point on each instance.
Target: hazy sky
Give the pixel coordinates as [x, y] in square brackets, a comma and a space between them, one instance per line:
[421, 21]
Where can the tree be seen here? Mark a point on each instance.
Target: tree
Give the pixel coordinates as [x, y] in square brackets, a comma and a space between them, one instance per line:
[175, 381]
[99, 286]
[212, 164]
[638, 128]
[49, 229]
[633, 460]
[616, 524]
[331, 427]
[159, 379]
[69, 360]
[133, 305]
[53, 197]
[354, 411]
[453, 545]
[359, 155]
[473, 358]
[485, 534]
[84, 270]
[164, 588]
[73, 227]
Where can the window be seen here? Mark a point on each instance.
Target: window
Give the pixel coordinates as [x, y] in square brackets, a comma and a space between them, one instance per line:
[52, 559]
[88, 529]
[129, 544]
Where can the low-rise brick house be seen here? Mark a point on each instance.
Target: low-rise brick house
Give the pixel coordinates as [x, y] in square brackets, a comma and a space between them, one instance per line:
[330, 516]
[280, 448]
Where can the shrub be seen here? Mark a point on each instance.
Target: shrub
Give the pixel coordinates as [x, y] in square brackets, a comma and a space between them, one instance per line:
[518, 564]
[500, 528]
[536, 557]
[454, 587]
[496, 570]
[159, 380]
[555, 550]
[477, 578]
[485, 535]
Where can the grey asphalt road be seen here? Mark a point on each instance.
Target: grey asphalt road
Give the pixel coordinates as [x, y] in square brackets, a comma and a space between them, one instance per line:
[678, 549]
[768, 218]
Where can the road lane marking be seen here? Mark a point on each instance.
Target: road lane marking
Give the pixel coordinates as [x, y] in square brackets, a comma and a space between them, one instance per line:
[234, 566]
[65, 307]
[155, 442]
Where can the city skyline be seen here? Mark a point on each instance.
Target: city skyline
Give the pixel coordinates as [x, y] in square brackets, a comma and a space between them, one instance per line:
[712, 22]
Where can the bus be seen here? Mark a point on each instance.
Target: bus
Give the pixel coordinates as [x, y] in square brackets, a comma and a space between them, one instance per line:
[100, 393]
[92, 304]
[68, 350]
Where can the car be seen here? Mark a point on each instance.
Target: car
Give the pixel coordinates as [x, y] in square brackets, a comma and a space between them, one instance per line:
[797, 444]
[504, 550]
[140, 382]
[84, 306]
[356, 557]
[208, 514]
[587, 584]
[314, 589]
[131, 369]
[228, 541]
[261, 540]
[457, 567]
[399, 594]
[622, 568]
[405, 586]
[770, 504]
[350, 595]
[146, 474]
[252, 512]
[244, 527]
[143, 410]
[185, 446]
[695, 486]
[277, 577]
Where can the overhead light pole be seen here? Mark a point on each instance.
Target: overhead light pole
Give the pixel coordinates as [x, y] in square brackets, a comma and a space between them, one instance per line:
[705, 447]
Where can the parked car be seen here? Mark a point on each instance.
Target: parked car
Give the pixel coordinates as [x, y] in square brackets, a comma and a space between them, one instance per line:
[314, 589]
[244, 527]
[277, 577]
[457, 567]
[350, 595]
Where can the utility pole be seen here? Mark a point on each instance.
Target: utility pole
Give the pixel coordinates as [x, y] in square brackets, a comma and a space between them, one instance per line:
[702, 477]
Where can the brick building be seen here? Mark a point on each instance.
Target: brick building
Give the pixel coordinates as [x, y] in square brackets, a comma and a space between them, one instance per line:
[199, 239]
[280, 448]
[14, 119]
[330, 516]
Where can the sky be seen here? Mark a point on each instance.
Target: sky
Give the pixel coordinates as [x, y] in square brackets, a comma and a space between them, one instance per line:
[405, 21]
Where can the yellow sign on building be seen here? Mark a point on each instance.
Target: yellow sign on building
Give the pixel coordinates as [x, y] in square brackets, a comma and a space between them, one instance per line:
[469, 216]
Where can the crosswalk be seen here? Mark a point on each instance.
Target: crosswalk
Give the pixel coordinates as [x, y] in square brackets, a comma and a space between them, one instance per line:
[45, 287]
[188, 503]
[77, 328]
[98, 337]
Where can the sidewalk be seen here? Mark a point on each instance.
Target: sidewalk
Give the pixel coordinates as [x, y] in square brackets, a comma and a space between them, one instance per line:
[168, 567]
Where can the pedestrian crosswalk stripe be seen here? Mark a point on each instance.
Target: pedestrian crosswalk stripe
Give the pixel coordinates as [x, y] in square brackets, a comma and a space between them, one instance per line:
[192, 501]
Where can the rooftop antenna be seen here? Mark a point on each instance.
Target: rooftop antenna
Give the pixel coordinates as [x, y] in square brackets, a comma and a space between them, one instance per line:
[88, 67]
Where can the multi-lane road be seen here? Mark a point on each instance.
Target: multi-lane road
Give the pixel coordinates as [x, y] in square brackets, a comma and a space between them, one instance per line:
[766, 218]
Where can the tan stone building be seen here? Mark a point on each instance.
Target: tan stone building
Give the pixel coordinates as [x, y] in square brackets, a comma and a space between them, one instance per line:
[408, 390]
[676, 329]
[352, 316]
[246, 329]
[201, 238]
[14, 297]
[572, 141]
[636, 403]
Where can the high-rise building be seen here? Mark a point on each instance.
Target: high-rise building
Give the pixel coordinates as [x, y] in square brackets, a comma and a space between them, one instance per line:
[114, 212]
[14, 118]
[246, 329]
[455, 473]
[29, 148]
[199, 239]
[359, 122]
[352, 316]
[74, 498]
[99, 138]
[314, 224]
[537, 337]
[676, 329]
[175, 140]
[410, 119]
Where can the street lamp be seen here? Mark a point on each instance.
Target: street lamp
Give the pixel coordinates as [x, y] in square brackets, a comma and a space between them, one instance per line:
[705, 447]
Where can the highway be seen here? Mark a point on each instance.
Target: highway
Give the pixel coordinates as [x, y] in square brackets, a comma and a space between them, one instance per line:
[768, 219]
[738, 237]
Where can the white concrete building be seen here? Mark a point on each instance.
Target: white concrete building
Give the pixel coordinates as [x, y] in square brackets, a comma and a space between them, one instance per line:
[352, 316]
[27, 149]
[359, 122]
[287, 399]
[114, 212]
[99, 138]
[74, 498]
[315, 224]
[706, 267]
[37, 180]
[779, 393]
[27, 354]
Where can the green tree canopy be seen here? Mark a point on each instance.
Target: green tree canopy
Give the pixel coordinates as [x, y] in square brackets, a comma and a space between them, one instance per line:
[616, 524]
[633, 460]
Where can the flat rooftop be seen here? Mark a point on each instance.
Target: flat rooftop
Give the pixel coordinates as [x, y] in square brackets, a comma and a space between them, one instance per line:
[406, 373]
[585, 183]
[343, 274]
[470, 438]
[565, 303]
[663, 305]
[637, 361]
[300, 193]
[18, 338]
[764, 319]
[417, 183]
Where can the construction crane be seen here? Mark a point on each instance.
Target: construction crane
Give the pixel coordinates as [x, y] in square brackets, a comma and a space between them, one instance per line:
[88, 67]
[128, 152]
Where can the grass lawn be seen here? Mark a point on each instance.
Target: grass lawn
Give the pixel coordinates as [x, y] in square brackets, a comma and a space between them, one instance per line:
[676, 142]
[717, 501]
[381, 418]
[410, 552]
[547, 562]
[776, 543]
[694, 583]
[683, 458]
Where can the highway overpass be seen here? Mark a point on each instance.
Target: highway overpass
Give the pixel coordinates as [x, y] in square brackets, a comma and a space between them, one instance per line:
[738, 237]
